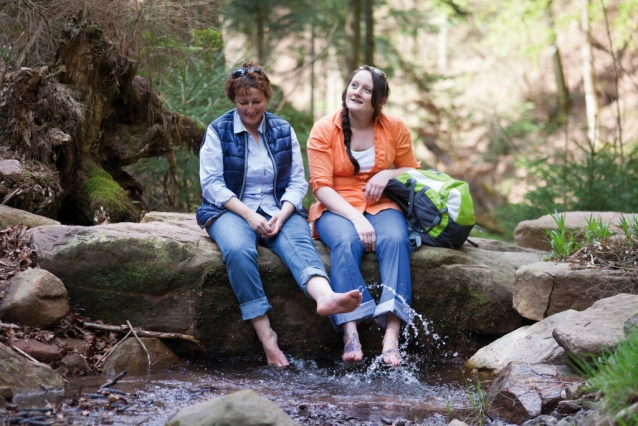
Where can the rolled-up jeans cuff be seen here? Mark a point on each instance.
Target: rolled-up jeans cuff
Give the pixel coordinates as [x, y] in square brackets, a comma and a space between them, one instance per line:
[402, 311]
[365, 310]
[254, 308]
[308, 273]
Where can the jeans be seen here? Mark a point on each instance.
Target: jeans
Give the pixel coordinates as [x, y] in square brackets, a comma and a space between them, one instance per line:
[393, 253]
[238, 244]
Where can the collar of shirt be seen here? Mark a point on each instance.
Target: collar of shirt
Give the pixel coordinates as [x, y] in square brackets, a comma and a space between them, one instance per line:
[238, 125]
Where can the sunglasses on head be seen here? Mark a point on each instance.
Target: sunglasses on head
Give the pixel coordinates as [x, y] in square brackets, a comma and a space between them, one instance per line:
[377, 70]
[239, 72]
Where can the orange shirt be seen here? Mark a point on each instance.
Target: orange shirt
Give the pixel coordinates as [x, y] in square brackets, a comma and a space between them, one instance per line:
[330, 165]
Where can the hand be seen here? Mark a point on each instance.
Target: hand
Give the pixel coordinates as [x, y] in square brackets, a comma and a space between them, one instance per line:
[276, 222]
[376, 185]
[366, 233]
[259, 224]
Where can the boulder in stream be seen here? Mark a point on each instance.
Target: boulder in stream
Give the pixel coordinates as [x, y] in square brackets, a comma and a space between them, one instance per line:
[243, 408]
[522, 391]
[130, 356]
[19, 376]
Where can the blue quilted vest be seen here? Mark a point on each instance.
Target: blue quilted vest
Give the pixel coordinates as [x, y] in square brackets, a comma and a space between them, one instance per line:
[277, 135]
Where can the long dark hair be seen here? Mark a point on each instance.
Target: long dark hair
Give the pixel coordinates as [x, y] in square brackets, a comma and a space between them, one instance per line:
[380, 92]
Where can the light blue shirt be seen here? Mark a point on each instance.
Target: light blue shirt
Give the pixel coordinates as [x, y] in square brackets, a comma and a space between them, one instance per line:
[260, 173]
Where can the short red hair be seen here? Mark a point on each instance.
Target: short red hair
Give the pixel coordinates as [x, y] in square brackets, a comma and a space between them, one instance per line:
[250, 79]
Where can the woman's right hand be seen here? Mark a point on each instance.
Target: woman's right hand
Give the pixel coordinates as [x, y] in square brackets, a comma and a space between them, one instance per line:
[258, 223]
[366, 232]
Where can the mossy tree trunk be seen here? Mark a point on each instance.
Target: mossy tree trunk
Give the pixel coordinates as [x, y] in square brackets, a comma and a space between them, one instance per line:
[75, 125]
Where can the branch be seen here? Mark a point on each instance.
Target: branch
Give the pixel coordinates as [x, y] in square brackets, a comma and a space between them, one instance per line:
[114, 381]
[140, 342]
[140, 332]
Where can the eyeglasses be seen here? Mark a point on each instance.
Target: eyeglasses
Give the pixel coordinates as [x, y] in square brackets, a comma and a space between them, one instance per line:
[239, 72]
[377, 70]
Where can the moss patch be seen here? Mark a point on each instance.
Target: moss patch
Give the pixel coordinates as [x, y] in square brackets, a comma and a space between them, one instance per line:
[103, 192]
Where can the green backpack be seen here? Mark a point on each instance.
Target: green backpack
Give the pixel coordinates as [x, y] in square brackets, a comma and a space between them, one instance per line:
[438, 208]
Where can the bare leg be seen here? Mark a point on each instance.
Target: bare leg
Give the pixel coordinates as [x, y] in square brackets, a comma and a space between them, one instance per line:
[268, 339]
[329, 302]
[390, 353]
[352, 350]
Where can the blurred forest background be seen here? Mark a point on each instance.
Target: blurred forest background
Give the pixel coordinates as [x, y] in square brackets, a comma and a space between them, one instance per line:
[534, 103]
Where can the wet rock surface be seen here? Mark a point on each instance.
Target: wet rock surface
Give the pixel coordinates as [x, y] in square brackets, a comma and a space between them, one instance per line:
[523, 391]
[19, 375]
[243, 408]
[130, 356]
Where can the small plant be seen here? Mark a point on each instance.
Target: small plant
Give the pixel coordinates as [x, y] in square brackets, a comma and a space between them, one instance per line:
[597, 230]
[615, 375]
[478, 401]
[625, 225]
[562, 240]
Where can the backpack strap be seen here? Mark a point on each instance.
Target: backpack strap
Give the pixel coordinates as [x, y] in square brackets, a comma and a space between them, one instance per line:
[413, 218]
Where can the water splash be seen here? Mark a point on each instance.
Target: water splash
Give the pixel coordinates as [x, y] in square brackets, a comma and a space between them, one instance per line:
[416, 324]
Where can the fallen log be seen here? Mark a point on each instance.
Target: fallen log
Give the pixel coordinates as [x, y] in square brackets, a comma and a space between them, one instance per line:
[140, 332]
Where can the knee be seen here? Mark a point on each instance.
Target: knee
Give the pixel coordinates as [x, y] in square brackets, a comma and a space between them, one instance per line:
[344, 243]
[394, 242]
[238, 252]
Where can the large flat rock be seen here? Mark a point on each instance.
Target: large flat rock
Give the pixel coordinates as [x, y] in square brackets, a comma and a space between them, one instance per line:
[589, 332]
[529, 345]
[167, 275]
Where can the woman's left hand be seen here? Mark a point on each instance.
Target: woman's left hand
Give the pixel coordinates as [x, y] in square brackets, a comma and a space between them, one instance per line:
[376, 185]
[278, 219]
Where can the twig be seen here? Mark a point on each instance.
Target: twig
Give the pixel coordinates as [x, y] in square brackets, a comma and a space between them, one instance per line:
[140, 342]
[26, 355]
[140, 332]
[8, 197]
[114, 381]
[8, 325]
[110, 351]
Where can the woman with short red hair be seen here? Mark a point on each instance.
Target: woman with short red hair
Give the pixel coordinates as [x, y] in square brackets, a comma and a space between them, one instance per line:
[253, 183]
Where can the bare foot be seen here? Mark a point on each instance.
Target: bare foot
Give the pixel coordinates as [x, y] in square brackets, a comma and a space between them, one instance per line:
[338, 303]
[352, 350]
[391, 353]
[274, 355]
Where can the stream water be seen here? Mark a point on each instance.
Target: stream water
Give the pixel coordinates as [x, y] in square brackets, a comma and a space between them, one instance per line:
[312, 393]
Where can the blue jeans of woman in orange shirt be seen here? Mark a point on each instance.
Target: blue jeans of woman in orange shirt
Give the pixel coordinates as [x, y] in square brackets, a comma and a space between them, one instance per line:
[393, 250]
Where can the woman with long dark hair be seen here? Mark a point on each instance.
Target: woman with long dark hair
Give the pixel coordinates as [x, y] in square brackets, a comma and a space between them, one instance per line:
[352, 155]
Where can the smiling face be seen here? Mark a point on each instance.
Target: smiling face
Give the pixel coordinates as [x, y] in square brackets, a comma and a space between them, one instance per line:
[251, 105]
[359, 93]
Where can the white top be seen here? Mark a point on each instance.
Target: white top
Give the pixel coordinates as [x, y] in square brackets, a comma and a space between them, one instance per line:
[365, 159]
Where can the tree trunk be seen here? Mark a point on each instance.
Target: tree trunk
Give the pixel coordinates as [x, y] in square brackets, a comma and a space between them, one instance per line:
[353, 38]
[369, 43]
[75, 129]
[589, 76]
[259, 34]
[563, 101]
